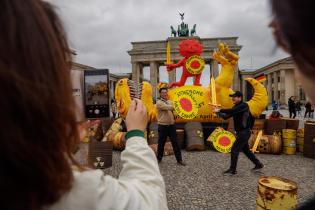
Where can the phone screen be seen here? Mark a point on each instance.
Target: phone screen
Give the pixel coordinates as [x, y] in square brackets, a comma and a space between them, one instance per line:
[96, 90]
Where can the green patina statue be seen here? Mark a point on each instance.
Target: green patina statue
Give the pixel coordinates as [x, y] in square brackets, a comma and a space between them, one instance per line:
[183, 29]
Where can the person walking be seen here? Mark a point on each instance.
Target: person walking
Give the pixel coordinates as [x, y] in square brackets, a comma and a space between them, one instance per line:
[292, 108]
[166, 126]
[308, 107]
[242, 122]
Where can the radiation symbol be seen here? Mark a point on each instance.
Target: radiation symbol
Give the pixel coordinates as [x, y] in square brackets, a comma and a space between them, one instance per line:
[222, 140]
[185, 106]
[195, 64]
[99, 162]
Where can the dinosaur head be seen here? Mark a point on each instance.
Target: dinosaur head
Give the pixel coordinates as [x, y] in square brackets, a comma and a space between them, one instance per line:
[126, 90]
[190, 47]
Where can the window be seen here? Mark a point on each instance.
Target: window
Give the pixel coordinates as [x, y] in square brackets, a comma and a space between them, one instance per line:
[278, 78]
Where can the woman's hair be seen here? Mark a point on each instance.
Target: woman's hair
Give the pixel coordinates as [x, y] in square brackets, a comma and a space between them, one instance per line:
[295, 32]
[37, 109]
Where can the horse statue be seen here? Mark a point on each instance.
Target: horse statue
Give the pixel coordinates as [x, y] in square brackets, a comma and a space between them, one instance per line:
[173, 31]
[193, 30]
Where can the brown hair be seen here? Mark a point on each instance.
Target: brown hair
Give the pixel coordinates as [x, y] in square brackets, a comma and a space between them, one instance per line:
[294, 31]
[37, 119]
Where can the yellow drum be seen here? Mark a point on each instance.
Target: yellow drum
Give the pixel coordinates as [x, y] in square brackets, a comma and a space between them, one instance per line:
[221, 140]
[289, 146]
[288, 134]
[300, 132]
[289, 141]
[276, 193]
[300, 139]
[300, 143]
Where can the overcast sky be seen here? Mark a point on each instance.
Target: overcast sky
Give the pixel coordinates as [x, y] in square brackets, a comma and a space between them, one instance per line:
[100, 31]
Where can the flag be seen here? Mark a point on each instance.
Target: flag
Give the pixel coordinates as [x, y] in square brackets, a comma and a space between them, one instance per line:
[261, 78]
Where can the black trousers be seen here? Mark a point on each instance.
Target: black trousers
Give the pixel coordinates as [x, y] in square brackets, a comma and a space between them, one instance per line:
[164, 132]
[241, 144]
[292, 113]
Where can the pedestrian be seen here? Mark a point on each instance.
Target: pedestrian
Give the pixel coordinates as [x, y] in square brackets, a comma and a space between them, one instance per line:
[166, 126]
[274, 105]
[242, 125]
[312, 112]
[293, 34]
[275, 115]
[41, 132]
[298, 108]
[308, 108]
[114, 108]
[292, 108]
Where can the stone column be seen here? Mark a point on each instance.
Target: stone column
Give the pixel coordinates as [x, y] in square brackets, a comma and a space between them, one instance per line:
[214, 68]
[153, 77]
[275, 86]
[136, 72]
[243, 82]
[282, 87]
[236, 79]
[172, 76]
[269, 88]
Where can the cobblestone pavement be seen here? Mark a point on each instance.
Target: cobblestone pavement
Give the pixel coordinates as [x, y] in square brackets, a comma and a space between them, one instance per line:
[201, 185]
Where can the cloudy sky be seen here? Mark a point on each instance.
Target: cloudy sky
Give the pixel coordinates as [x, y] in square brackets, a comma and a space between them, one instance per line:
[100, 31]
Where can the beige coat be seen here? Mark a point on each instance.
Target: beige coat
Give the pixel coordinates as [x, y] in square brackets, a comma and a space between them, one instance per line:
[165, 112]
[139, 186]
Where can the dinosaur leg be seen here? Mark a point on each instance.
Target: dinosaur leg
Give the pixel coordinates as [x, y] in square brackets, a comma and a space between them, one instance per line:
[181, 82]
[197, 80]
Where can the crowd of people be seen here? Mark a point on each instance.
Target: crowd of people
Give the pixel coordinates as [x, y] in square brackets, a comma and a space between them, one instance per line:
[295, 108]
[41, 131]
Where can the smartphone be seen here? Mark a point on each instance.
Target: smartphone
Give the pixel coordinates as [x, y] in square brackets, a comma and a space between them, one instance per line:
[96, 93]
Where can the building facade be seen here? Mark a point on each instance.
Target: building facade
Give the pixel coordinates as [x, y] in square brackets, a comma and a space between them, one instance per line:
[280, 82]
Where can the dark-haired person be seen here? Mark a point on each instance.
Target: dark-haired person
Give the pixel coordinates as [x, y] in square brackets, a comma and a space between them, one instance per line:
[40, 129]
[166, 126]
[293, 32]
[292, 107]
[242, 125]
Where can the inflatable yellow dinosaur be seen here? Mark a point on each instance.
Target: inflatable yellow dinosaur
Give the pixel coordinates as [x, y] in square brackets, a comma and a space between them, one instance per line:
[191, 102]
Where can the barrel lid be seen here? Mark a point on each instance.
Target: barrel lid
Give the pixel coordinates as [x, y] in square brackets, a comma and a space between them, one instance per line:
[278, 183]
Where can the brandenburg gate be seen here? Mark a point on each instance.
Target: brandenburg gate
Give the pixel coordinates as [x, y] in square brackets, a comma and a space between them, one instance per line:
[153, 54]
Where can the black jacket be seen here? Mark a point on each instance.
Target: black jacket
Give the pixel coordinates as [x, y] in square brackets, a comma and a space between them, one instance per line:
[291, 104]
[241, 116]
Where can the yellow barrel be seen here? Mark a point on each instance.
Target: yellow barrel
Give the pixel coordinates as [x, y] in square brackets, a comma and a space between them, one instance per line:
[289, 146]
[289, 141]
[300, 143]
[276, 193]
[300, 132]
[288, 134]
[300, 139]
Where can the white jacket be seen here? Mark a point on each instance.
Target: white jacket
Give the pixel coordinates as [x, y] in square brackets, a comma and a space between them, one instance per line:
[140, 185]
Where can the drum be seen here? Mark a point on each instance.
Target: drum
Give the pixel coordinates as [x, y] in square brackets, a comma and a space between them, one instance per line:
[270, 144]
[180, 136]
[292, 123]
[153, 135]
[194, 136]
[289, 141]
[100, 154]
[259, 124]
[274, 126]
[276, 193]
[221, 140]
[300, 139]
[309, 140]
[168, 149]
